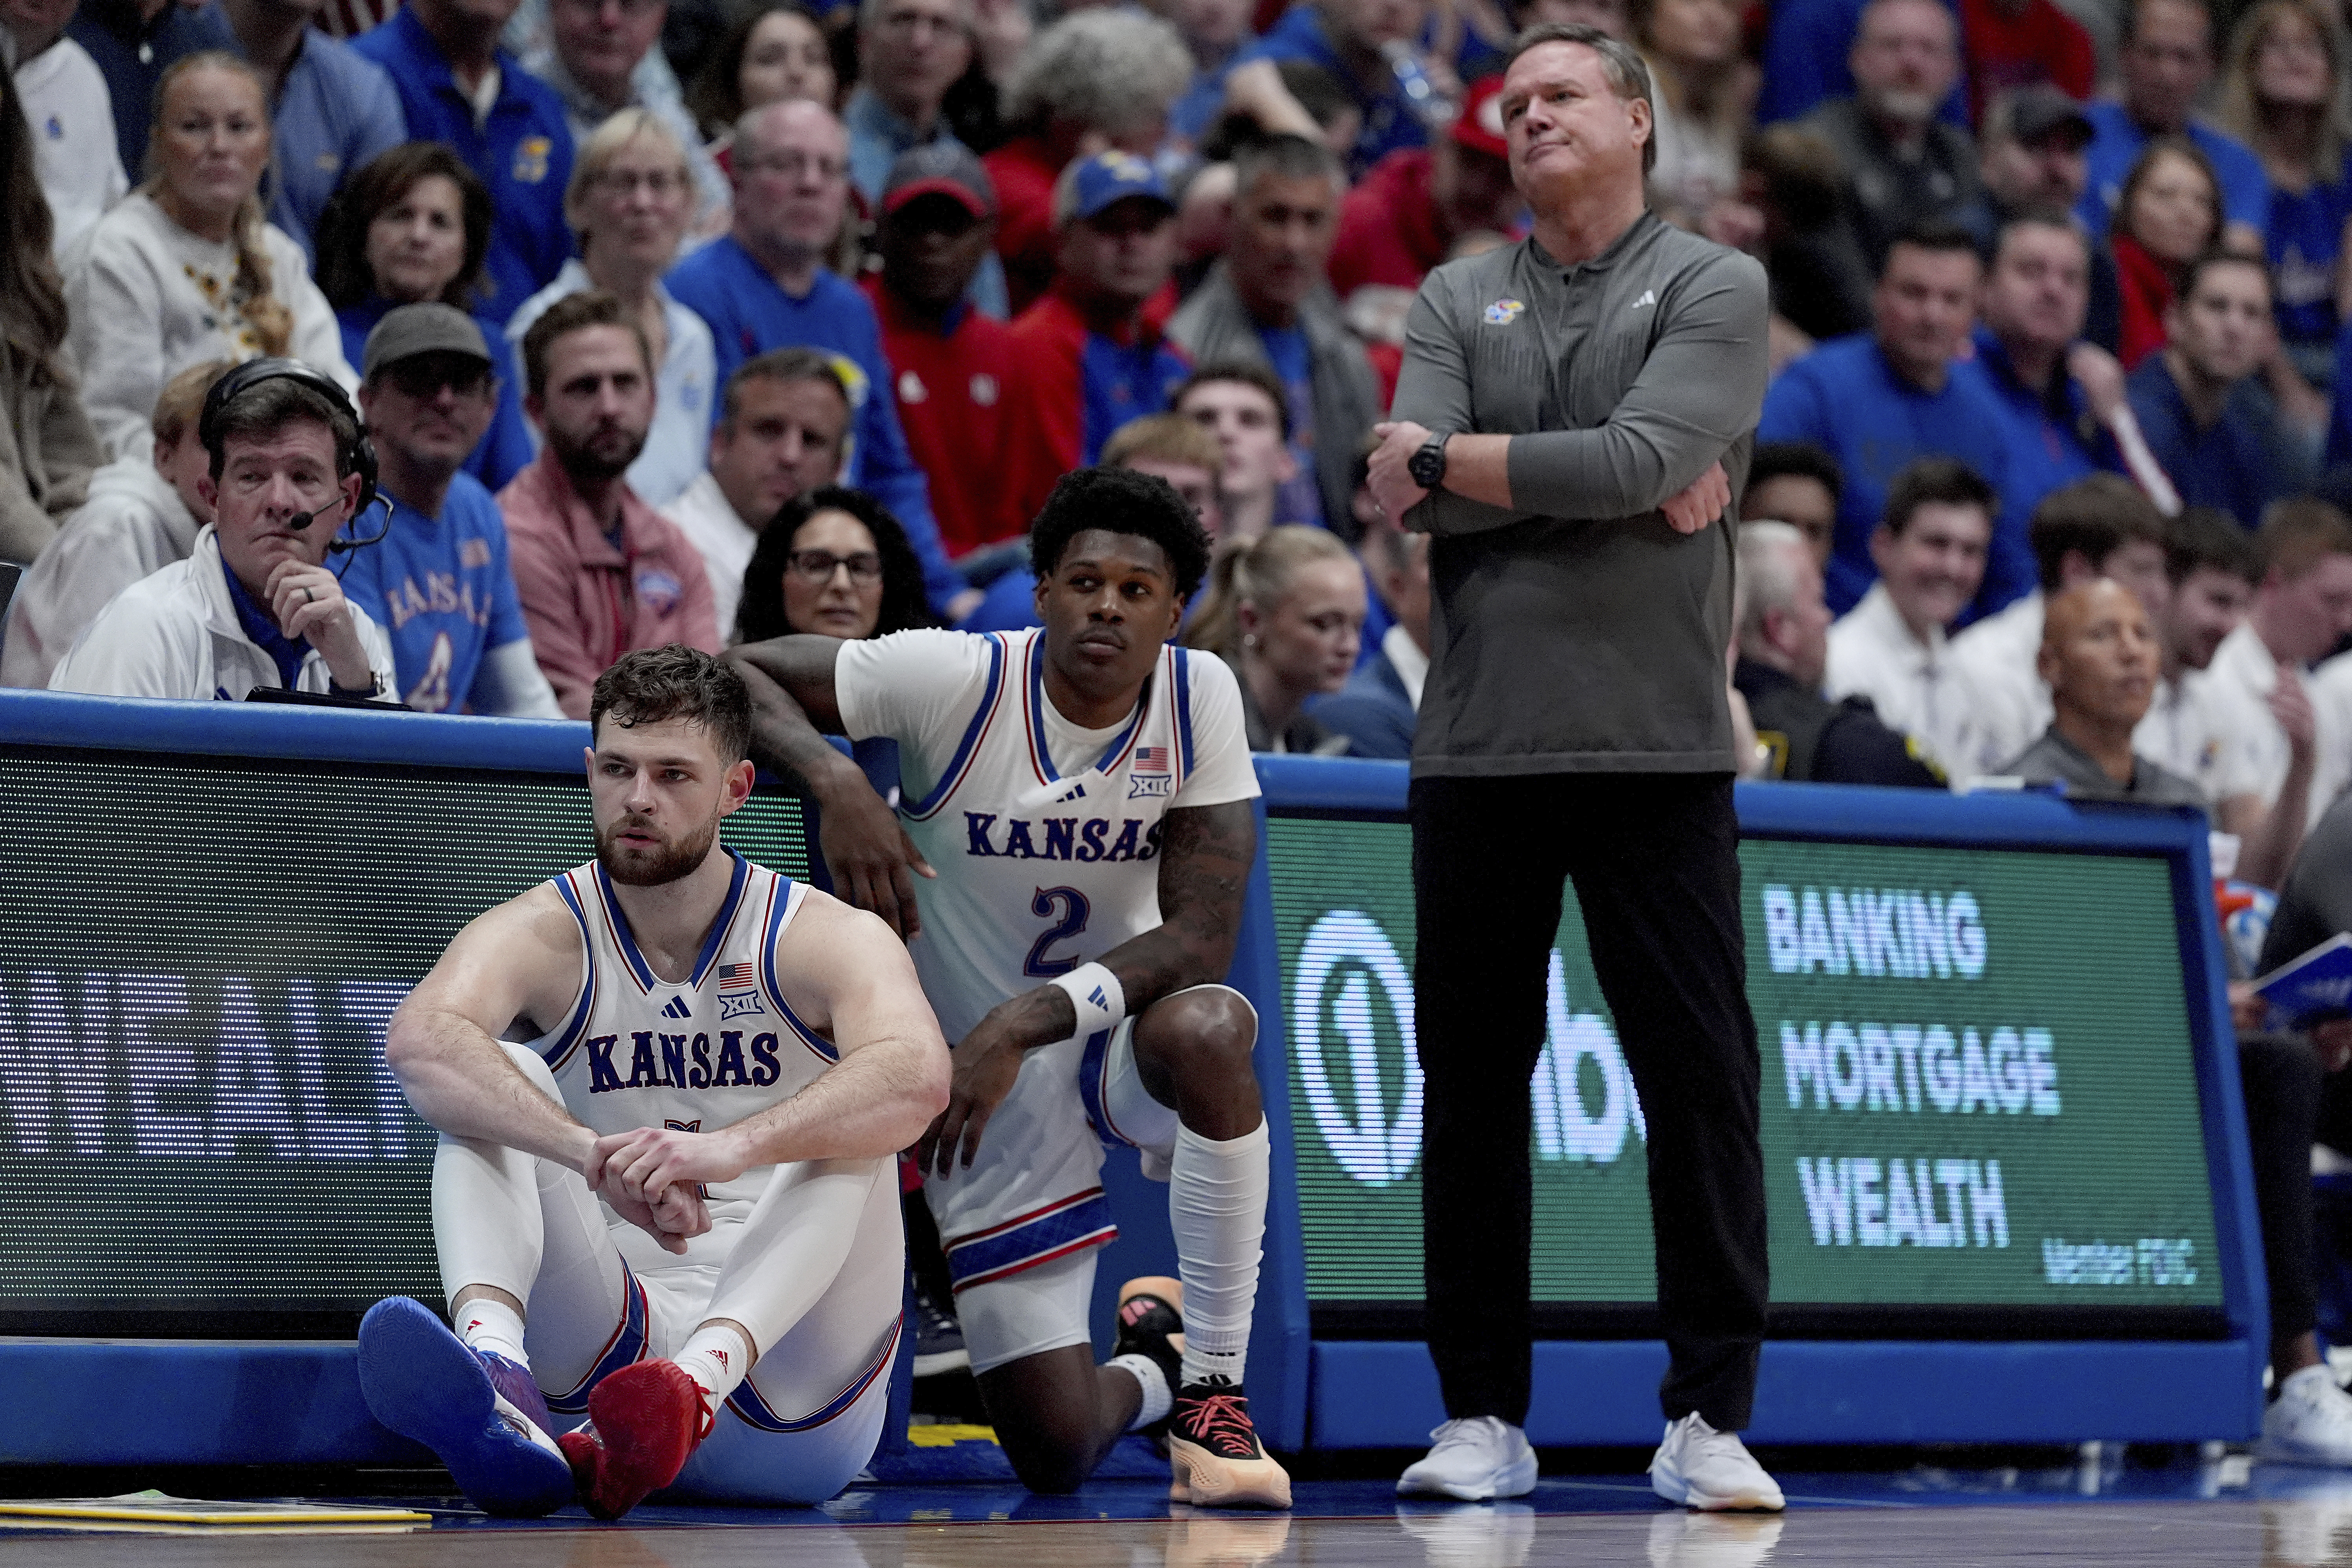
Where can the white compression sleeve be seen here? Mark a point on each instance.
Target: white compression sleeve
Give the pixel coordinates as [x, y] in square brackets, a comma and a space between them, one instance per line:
[795, 1244]
[485, 1220]
[1216, 1206]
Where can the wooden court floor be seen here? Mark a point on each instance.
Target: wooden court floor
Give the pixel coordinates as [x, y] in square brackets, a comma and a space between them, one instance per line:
[2206, 1516]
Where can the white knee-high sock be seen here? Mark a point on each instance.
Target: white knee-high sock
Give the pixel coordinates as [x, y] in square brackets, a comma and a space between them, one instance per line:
[1216, 1206]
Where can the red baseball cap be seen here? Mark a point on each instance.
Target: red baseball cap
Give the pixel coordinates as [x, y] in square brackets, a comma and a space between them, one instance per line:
[1479, 126]
[942, 168]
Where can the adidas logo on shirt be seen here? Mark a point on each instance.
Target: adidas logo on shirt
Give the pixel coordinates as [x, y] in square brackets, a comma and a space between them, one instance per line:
[677, 1008]
[1649, 297]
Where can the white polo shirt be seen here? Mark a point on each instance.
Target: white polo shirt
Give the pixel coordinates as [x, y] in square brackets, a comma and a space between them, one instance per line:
[74, 148]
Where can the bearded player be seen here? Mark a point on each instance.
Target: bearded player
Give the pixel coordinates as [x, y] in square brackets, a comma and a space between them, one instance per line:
[1084, 791]
[669, 1085]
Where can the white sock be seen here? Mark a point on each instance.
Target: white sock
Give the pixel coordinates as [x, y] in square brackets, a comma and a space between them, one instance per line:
[1216, 1206]
[486, 1325]
[717, 1357]
[1158, 1397]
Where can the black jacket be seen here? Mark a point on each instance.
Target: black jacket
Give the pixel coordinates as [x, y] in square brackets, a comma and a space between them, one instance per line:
[1814, 741]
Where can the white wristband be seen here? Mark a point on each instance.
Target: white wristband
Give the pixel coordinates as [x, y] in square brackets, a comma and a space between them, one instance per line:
[1094, 991]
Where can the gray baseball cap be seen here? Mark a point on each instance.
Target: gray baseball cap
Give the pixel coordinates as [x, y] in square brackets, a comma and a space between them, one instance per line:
[414, 330]
[2040, 110]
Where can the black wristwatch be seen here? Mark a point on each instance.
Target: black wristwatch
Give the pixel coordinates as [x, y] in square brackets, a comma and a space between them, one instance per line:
[373, 688]
[1427, 465]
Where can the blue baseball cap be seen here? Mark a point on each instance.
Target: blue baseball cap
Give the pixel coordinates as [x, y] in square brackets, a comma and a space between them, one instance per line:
[1111, 177]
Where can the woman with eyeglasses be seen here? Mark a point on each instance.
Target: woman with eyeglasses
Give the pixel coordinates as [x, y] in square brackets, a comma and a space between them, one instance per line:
[413, 227]
[834, 562]
[629, 202]
[187, 267]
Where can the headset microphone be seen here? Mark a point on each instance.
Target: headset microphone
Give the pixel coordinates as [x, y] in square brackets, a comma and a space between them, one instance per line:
[345, 546]
[252, 373]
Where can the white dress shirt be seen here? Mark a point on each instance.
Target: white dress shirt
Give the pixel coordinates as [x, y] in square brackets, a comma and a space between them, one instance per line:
[707, 519]
[1917, 686]
[1406, 658]
[2001, 655]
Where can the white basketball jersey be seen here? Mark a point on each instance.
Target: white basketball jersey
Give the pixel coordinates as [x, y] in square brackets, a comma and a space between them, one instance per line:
[1046, 837]
[636, 1050]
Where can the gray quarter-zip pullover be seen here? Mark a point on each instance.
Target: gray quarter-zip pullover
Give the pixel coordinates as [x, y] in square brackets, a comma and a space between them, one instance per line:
[1578, 632]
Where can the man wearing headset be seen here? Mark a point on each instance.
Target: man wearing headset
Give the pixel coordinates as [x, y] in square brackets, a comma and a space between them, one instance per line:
[253, 606]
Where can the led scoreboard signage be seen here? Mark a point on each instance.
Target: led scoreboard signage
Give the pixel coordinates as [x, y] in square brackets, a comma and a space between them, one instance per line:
[197, 961]
[1977, 1089]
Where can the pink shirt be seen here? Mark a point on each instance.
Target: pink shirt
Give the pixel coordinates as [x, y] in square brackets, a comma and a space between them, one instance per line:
[588, 599]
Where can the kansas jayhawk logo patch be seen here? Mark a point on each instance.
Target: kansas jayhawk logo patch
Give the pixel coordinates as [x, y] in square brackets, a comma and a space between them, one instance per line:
[1502, 312]
[531, 159]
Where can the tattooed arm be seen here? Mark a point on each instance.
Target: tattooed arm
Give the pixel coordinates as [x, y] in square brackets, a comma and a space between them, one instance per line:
[1204, 864]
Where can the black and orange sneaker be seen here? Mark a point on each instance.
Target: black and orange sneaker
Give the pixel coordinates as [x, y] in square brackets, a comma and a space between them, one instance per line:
[1215, 1453]
[1152, 1325]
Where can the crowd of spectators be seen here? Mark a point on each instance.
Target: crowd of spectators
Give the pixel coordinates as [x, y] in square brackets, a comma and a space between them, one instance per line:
[701, 319]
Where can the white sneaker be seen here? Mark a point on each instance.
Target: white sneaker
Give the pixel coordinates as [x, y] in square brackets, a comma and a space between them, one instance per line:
[1701, 1467]
[2310, 1422]
[1713, 1540]
[1488, 1535]
[1474, 1460]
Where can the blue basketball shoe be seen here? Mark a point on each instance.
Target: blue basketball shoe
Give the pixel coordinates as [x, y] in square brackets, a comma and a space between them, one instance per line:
[480, 1413]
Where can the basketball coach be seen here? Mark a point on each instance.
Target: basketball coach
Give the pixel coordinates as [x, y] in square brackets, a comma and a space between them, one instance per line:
[1574, 416]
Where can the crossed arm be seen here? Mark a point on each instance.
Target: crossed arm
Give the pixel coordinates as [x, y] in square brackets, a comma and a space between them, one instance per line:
[1659, 449]
[851, 981]
[521, 962]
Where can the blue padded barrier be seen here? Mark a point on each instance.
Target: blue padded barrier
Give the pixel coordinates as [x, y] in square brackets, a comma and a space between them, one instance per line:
[188, 1402]
[1378, 1394]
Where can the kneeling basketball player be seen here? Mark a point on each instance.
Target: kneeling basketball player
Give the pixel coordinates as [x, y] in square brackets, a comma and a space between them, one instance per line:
[1084, 791]
[671, 1086]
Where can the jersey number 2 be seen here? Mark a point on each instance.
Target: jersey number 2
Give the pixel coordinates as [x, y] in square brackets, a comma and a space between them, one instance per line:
[1067, 909]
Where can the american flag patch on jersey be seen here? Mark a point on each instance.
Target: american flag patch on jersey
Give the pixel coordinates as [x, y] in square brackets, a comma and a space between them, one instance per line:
[1151, 759]
[735, 977]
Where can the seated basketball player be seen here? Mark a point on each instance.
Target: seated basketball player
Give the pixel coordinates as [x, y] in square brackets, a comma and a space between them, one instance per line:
[671, 1086]
[1085, 791]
